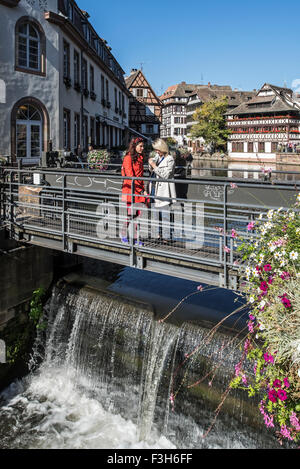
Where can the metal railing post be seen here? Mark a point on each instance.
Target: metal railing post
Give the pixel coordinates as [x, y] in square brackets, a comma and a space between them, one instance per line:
[131, 232]
[63, 220]
[225, 283]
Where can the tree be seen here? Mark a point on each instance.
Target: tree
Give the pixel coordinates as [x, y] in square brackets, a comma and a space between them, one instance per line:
[211, 123]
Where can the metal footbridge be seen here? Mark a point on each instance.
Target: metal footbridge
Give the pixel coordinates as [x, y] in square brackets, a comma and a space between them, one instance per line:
[81, 212]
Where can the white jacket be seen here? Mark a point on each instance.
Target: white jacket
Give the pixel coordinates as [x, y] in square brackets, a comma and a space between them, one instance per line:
[164, 189]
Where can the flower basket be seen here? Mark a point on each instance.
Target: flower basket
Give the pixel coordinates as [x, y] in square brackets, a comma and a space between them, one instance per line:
[272, 346]
[98, 159]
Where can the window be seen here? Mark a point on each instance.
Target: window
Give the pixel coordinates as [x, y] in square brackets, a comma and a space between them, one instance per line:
[92, 131]
[84, 75]
[76, 68]
[85, 133]
[30, 46]
[66, 60]
[116, 99]
[107, 90]
[67, 140]
[76, 130]
[261, 147]
[102, 87]
[250, 147]
[238, 147]
[28, 132]
[92, 78]
[139, 93]
[149, 129]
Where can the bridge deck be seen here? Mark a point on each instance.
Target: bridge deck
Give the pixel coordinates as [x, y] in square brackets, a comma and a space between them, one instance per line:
[83, 215]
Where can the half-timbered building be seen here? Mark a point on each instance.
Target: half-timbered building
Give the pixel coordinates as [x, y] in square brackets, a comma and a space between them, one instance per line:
[265, 125]
[59, 81]
[204, 94]
[144, 106]
[174, 101]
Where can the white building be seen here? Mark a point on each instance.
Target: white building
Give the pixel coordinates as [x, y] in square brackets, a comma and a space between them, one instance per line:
[265, 126]
[59, 81]
[174, 101]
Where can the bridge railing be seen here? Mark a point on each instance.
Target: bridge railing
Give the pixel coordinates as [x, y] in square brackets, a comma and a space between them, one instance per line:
[72, 209]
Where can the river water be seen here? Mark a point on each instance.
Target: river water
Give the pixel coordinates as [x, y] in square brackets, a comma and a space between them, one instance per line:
[103, 372]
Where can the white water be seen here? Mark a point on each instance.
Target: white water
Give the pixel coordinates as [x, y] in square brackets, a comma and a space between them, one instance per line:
[94, 391]
[54, 413]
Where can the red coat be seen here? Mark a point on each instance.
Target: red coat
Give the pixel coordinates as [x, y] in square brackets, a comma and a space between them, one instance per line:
[133, 169]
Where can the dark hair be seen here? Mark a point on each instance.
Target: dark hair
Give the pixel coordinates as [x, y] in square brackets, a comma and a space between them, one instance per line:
[132, 148]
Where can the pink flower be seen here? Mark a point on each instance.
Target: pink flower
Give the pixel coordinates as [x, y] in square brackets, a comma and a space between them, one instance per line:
[233, 233]
[270, 280]
[282, 395]
[286, 433]
[233, 185]
[285, 275]
[267, 268]
[264, 286]
[286, 383]
[244, 380]
[267, 418]
[268, 358]
[226, 249]
[286, 302]
[237, 369]
[247, 345]
[250, 226]
[272, 395]
[250, 327]
[172, 401]
[199, 288]
[277, 383]
[294, 421]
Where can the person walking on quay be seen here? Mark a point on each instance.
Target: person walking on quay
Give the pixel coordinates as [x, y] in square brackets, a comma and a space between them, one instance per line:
[133, 192]
[162, 193]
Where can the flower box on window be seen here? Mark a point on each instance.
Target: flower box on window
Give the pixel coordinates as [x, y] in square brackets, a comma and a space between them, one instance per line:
[103, 102]
[77, 87]
[93, 96]
[108, 105]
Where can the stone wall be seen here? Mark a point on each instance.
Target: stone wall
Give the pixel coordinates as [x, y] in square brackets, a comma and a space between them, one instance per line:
[23, 269]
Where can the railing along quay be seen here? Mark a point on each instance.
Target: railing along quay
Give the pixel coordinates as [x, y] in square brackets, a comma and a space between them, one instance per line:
[82, 212]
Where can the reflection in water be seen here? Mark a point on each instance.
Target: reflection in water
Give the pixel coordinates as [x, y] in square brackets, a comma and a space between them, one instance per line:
[245, 170]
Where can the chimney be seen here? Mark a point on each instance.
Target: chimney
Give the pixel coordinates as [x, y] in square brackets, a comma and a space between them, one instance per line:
[209, 84]
[133, 70]
[183, 83]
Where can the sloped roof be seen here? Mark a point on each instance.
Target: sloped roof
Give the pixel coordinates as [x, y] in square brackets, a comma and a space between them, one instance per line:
[235, 98]
[280, 100]
[130, 79]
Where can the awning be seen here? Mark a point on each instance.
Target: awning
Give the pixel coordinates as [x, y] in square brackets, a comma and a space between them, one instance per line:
[138, 133]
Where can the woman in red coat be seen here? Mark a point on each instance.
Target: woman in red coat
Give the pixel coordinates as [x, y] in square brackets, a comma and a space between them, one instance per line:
[133, 166]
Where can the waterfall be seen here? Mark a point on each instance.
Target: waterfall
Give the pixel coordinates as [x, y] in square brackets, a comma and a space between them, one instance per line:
[160, 341]
[106, 375]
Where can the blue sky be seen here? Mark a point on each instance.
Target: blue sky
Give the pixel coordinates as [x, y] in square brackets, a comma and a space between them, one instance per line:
[242, 44]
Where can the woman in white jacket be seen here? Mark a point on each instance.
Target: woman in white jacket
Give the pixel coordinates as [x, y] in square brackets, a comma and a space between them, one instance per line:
[164, 194]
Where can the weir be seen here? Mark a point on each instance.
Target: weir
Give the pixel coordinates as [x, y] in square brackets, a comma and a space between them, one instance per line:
[105, 362]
